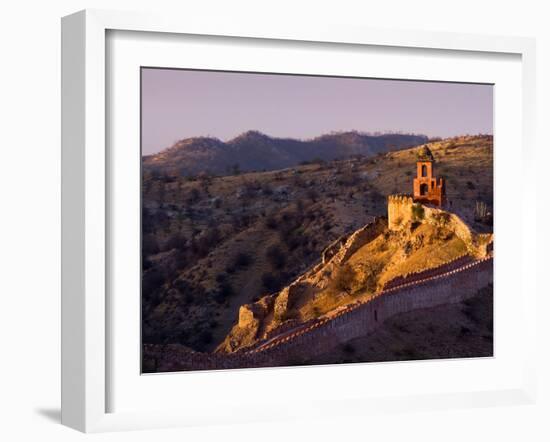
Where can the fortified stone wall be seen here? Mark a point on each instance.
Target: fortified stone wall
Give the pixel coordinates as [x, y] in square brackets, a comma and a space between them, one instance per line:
[359, 319]
[399, 211]
[333, 248]
[361, 237]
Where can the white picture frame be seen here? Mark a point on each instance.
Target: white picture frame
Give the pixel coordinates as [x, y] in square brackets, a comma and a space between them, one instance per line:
[85, 209]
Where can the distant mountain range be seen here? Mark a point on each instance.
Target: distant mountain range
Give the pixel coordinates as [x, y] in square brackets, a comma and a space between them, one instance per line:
[255, 151]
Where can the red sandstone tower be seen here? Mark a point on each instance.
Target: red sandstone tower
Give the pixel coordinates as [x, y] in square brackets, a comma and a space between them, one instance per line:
[427, 188]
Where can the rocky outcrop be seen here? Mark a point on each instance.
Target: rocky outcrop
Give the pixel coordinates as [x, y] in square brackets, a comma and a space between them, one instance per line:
[287, 298]
[478, 245]
[247, 329]
[400, 215]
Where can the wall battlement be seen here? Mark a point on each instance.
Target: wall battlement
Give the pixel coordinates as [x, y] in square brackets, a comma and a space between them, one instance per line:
[400, 199]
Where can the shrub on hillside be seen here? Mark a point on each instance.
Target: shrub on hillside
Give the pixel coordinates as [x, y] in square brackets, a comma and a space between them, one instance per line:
[204, 338]
[221, 277]
[271, 281]
[193, 196]
[242, 260]
[441, 219]
[276, 256]
[344, 279]
[203, 243]
[417, 212]
[292, 241]
[368, 279]
[312, 195]
[175, 241]
[347, 178]
[270, 221]
[149, 245]
[348, 349]
[225, 291]
[151, 281]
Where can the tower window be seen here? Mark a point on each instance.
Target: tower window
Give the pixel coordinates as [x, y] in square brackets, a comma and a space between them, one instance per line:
[423, 189]
[424, 170]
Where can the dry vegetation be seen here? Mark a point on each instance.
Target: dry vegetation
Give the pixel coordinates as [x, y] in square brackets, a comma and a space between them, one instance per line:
[212, 244]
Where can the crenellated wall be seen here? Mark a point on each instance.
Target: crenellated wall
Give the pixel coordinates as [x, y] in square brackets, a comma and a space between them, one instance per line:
[453, 284]
[399, 211]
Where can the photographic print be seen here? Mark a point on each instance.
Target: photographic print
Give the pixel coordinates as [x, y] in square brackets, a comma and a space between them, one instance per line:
[291, 220]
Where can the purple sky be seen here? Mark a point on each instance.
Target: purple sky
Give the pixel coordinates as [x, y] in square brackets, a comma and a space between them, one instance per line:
[178, 104]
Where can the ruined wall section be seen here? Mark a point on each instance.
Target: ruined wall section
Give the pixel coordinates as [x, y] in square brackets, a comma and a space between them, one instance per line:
[333, 248]
[359, 238]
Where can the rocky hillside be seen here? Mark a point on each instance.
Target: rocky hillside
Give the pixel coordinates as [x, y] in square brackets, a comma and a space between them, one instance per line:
[357, 267]
[213, 244]
[254, 151]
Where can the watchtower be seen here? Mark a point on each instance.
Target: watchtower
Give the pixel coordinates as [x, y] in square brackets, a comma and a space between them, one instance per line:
[427, 188]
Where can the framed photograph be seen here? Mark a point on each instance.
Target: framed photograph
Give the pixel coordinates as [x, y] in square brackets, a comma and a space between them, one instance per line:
[262, 222]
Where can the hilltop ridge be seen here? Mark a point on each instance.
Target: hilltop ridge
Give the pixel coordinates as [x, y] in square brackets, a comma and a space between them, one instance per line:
[253, 150]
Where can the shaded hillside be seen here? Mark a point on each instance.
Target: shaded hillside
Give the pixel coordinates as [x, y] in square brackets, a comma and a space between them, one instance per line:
[254, 151]
[212, 244]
